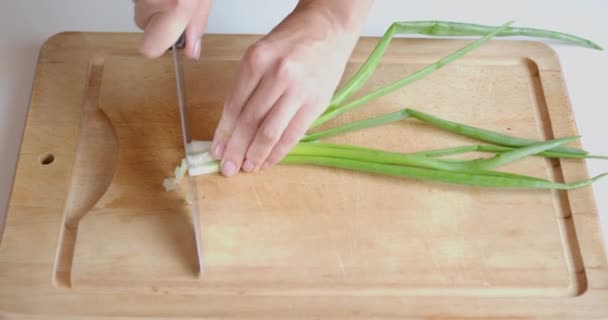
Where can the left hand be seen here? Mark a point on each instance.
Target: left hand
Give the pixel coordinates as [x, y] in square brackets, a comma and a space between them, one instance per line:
[163, 21]
[284, 82]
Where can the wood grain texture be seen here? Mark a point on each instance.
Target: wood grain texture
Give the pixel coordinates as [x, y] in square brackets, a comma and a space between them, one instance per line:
[293, 241]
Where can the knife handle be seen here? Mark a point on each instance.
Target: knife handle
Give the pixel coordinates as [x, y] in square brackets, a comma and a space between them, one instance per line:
[181, 42]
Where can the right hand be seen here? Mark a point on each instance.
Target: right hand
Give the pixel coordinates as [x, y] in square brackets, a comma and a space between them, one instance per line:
[164, 21]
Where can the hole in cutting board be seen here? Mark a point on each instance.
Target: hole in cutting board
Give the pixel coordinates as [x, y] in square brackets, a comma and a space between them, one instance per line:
[47, 159]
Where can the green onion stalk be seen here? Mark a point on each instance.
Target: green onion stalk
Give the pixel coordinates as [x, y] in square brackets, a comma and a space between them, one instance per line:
[431, 165]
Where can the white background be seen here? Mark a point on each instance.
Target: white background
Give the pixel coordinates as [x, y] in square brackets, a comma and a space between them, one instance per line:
[25, 24]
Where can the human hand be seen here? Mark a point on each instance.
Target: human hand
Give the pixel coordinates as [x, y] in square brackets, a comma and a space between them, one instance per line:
[164, 21]
[284, 82]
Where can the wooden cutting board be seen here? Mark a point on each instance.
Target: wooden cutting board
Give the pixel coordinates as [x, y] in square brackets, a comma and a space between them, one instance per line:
[92, 233]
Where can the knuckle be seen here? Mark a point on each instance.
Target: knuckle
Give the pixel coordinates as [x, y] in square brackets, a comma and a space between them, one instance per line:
[255, 155]
[173, 4]
[249, 120]
[316, 100]
[287, 69]
[270, 133]
[257, 54]
[230, 110]
[222, 129]
[273, 159]
[289, 139]
[180, 4]
[277, 155]
[140, 21]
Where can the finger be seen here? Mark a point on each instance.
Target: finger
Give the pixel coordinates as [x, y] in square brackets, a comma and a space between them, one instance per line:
[293, 133]
[261, 101]
[196, 29]
[145, 9]
[247, 78]
[164, 28]
[270, 131]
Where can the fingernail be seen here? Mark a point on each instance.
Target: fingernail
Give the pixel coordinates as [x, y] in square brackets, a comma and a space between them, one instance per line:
[248, 166]
[228, 168]
[218, 152]
[197, 49]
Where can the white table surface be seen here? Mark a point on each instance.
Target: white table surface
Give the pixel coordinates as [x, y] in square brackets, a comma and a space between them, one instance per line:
[26, 24]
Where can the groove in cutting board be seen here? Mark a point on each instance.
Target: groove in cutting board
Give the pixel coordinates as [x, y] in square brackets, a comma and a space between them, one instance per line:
[573, 258]
[328, 269]
[92, 173]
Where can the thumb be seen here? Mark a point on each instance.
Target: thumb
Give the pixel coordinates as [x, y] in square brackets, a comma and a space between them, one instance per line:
[195, 30]
[164, 28]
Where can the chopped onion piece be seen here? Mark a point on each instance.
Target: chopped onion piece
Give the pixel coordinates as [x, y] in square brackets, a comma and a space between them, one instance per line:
[207, 168]
[200, 159]
[169, 184]
[199, 146]
[179, 172]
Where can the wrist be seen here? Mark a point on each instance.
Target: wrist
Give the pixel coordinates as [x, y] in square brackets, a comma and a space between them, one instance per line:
[344, 16]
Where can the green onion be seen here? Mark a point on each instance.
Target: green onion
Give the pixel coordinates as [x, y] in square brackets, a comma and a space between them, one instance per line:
[358, 125]
[366, 154]
[420, 160]
[453, 177]
[494, 148]
[407, 80]
[428, 164]
[440, 28]
[505, 142]
[517, 154]
[481, 134]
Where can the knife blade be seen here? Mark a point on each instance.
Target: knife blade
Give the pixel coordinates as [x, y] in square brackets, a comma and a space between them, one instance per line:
[187, 139]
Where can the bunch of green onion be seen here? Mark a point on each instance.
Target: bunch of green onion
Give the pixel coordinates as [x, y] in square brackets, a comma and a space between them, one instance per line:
[426, 165]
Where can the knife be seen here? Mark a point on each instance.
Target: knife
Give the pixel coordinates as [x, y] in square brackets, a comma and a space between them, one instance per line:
[187, 139]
